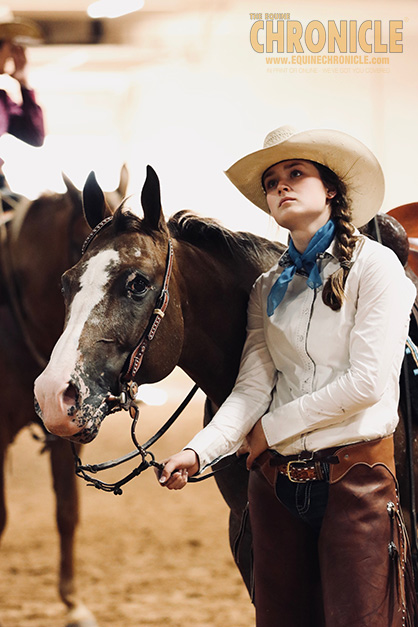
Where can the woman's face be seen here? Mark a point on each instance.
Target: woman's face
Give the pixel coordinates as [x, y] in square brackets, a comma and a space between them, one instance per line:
[296, 195]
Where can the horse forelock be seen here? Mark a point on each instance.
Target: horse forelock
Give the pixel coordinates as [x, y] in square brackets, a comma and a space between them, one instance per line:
[124, 221]
[211, 235]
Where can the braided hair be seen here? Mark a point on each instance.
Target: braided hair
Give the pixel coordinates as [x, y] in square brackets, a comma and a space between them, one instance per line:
[333, 291]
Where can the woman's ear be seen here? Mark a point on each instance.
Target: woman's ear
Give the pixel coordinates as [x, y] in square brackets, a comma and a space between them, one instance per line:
[330, 193]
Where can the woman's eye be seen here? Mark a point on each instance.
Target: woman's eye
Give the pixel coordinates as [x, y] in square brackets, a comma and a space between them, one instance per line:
[271, 184]
[137, 286]
[296, 173]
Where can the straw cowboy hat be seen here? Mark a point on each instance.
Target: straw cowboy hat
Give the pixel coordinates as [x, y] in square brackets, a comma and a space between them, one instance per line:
[20, 32]
[351, 160]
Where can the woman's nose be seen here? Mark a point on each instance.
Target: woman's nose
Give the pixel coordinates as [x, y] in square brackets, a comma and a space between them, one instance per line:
[282, 187]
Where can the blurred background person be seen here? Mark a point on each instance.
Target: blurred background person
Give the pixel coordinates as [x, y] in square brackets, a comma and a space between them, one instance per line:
[24, 120]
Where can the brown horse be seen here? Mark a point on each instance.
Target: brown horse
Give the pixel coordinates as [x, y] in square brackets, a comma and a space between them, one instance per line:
[42, 240]
[407, 216]
[111, 297]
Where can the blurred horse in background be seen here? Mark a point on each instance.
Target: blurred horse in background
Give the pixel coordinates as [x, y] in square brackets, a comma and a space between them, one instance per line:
[407, 216]
[39, 241]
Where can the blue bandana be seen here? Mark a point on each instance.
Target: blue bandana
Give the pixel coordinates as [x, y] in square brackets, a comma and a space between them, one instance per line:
[307, 260]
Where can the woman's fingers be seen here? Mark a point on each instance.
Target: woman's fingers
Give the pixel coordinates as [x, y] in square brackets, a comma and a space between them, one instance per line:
[244, 448]
[176, 469]
[176, 480]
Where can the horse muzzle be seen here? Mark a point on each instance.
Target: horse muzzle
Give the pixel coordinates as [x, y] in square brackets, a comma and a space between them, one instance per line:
[65, 411]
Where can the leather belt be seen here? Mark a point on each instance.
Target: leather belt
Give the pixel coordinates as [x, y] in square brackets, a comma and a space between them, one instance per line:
[301, 471]
[307, 466]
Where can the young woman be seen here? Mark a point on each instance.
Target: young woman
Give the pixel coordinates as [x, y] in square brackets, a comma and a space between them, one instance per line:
[25, 119]
[315, 402]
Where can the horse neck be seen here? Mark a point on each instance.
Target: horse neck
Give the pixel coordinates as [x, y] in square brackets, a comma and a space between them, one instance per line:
[39, 255]
[215, 294]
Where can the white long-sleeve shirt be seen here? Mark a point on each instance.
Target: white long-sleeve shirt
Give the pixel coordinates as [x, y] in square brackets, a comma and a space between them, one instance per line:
[319, 378]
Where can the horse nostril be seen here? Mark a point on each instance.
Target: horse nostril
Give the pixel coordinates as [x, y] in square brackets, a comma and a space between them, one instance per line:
[70, 395]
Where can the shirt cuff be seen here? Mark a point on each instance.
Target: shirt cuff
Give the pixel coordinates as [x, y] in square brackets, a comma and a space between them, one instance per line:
[210, 446]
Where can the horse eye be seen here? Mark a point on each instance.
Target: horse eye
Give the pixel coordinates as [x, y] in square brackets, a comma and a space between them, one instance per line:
[137, 286]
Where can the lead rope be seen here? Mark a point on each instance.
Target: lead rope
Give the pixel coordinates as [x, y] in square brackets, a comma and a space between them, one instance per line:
[147, 457]
[141, 449]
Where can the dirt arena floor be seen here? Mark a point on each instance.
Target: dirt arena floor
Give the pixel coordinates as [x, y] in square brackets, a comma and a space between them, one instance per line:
[148, 557]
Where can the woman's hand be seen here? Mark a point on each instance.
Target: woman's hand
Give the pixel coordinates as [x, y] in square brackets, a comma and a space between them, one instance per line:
[177, 468]
[255, 444]
[18, 54]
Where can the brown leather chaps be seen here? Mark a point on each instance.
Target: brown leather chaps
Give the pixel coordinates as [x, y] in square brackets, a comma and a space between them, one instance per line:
[358, 572]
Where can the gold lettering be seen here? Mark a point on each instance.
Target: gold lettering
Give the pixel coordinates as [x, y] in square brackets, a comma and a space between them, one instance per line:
[337, 37]
[322, 36]
[353, 36]
[294, 32]
[256, 46]
[394, 36]
[378, 46]
[272, 36]
[365, 26]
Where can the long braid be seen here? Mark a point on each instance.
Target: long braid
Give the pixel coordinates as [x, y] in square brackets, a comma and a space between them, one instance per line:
[333, 291]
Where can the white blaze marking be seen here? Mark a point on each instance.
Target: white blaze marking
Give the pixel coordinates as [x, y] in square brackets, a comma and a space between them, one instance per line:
[92, 282]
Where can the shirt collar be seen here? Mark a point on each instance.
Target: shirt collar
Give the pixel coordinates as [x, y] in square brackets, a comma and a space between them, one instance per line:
[286, 261]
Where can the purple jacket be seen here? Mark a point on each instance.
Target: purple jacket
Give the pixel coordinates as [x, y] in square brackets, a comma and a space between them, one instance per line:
[25, 121]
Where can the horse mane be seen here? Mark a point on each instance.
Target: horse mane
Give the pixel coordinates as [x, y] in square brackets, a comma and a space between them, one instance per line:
[207, 234]
[211, 235]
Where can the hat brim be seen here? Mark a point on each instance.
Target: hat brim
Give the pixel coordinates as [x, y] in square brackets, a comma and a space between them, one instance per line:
[349, 158]
[21, 32]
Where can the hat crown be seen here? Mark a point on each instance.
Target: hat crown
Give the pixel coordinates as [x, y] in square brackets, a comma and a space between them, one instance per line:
[22, 32]
[279, 135]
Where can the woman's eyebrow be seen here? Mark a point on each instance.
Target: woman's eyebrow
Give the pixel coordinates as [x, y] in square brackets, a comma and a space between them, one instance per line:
[292, 165]
[286, 167]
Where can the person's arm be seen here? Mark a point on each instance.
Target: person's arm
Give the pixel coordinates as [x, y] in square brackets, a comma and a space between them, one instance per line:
[26, 121]
[248, 401]
[377, 343]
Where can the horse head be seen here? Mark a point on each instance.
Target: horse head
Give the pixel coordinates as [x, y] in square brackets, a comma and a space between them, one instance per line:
[110, 296]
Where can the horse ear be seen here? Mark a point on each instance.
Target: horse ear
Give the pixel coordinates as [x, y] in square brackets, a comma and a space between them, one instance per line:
[73, 192]
[151, 201]
[94, 202]
[123, 181]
